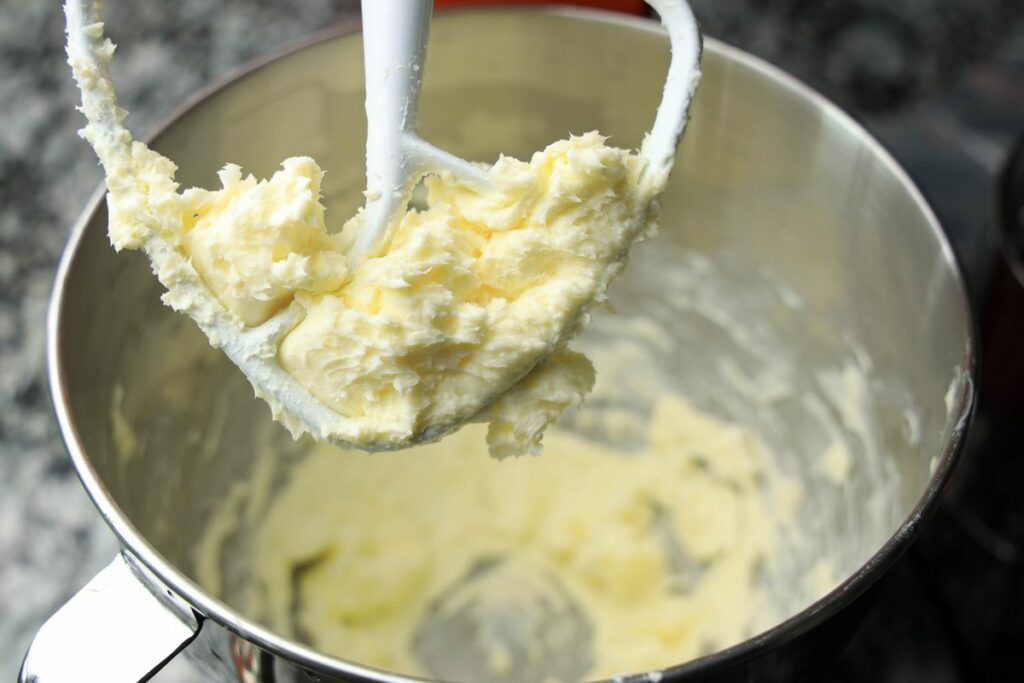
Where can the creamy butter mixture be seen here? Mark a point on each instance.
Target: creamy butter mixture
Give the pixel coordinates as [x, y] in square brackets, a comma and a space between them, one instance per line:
[463, 313]
[659, 547]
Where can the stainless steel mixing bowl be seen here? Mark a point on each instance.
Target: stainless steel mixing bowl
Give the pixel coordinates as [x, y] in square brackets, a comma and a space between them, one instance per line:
[793, 248]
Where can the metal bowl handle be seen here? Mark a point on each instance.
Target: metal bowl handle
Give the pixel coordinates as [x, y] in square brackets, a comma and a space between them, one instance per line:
[122, 627]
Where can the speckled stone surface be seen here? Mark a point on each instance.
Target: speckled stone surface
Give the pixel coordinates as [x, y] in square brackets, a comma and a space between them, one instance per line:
[891, 61]
[51, 539]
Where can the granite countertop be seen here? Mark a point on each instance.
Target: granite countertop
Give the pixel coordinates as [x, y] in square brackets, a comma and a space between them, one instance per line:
[895, 63]
[51, 539]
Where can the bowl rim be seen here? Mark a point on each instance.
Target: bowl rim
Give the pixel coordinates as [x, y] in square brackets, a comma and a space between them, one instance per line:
[817, 612]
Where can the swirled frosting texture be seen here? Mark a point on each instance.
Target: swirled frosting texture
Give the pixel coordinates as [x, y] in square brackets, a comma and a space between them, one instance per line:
[463, 312]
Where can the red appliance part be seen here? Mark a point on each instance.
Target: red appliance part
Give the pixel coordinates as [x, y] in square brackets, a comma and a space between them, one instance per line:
[638, 7]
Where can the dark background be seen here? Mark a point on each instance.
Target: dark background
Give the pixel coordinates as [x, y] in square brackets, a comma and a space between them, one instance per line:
[941, 82]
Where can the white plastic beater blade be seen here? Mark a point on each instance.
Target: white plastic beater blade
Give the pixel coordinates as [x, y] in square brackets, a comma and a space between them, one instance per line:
[659, 147]
[396, 159]
[394, 49]
[394, 46]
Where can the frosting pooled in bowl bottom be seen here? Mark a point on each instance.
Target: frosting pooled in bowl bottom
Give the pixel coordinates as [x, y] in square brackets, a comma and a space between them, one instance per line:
[658, 546]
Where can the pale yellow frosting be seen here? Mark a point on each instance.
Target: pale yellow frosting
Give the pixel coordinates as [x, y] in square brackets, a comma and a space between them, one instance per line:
[659, 547]
[257, 243]
[457, 316]
[471, 293]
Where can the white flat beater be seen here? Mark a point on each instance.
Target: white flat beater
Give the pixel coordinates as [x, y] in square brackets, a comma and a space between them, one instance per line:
[395, 37]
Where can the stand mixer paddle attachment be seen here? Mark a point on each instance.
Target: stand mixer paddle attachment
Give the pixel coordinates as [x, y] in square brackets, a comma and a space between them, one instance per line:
[404, 324]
